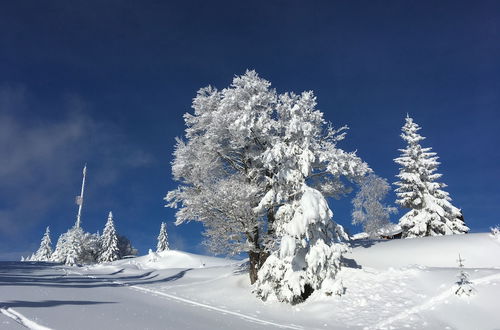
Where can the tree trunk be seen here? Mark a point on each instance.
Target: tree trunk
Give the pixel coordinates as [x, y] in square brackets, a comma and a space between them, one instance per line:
[257, 259]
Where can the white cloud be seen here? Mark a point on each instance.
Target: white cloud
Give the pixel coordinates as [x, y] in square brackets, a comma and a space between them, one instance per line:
[40, 156]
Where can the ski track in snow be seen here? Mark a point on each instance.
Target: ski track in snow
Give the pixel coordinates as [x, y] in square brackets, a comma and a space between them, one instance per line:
[221, 310]
[198, 304]
[429, 303]
[22, 320]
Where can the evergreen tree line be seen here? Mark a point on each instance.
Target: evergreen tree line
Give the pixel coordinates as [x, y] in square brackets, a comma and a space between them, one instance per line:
[76, 246]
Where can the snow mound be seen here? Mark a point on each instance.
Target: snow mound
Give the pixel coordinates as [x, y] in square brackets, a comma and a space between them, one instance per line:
[478, 250]
[172, 259]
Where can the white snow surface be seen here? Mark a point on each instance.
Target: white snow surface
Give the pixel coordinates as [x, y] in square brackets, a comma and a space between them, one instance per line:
[391, 284]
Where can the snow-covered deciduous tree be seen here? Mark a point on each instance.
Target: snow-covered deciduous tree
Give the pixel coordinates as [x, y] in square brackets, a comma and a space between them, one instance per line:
[368, 207]
[162, 238]
[463, 287]
[220, 169]
[431, 212]
[109, 242]
[91, 248]
[249, 152]
[44, 252]
[125, 247]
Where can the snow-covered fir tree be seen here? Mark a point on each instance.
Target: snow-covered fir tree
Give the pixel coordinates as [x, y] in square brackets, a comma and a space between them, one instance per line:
[309, 254]
[431, 212]
[44, 252]
[76, 247]
[307, 164]
[253, 163]
[109, 242]
[368, 207]
[463, 287]
[69, 247]
[162, 238]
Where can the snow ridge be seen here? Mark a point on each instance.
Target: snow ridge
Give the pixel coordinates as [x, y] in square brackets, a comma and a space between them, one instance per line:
[21, 319]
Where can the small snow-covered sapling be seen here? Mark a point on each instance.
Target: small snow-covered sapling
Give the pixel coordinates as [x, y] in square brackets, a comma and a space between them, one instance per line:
[463, 285]
[495, 232]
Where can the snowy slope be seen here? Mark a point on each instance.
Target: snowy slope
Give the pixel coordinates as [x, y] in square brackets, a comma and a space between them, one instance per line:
[479, 250]
[390, 285]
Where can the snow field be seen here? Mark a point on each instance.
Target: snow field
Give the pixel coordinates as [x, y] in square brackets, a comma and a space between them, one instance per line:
[390, 285]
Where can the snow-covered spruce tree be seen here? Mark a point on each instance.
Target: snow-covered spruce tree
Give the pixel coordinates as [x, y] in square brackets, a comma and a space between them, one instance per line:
[69, 247]
[74, 248]
[307, 164]
[44, 252]
[109, 242]
[228, 168]
[162, 238]
[431, 212]
[368, 208]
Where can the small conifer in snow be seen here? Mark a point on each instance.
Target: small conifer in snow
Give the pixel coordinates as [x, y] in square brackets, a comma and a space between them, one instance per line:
[44, 253]
[431, 212]
[153, 256]
[162, 239]
[495, 232]
[109, 242]
[463, 285]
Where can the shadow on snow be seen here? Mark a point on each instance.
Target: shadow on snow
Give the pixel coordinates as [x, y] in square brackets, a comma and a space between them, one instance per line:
[21, 273]
[49, 303]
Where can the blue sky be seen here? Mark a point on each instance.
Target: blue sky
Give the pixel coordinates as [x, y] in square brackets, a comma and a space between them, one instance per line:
[107, 82]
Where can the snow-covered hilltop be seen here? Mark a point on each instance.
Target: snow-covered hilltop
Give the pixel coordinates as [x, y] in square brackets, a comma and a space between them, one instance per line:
[390, 284]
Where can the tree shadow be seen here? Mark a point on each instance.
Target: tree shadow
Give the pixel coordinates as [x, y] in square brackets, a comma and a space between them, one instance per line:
[366, 243]
[350, 263]
[15, 274]
[49, 303]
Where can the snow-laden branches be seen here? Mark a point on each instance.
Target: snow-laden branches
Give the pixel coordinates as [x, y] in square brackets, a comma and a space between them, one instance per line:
[248, 153]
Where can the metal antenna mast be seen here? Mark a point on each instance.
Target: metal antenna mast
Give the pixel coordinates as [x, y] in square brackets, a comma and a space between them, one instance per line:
[79, 199]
